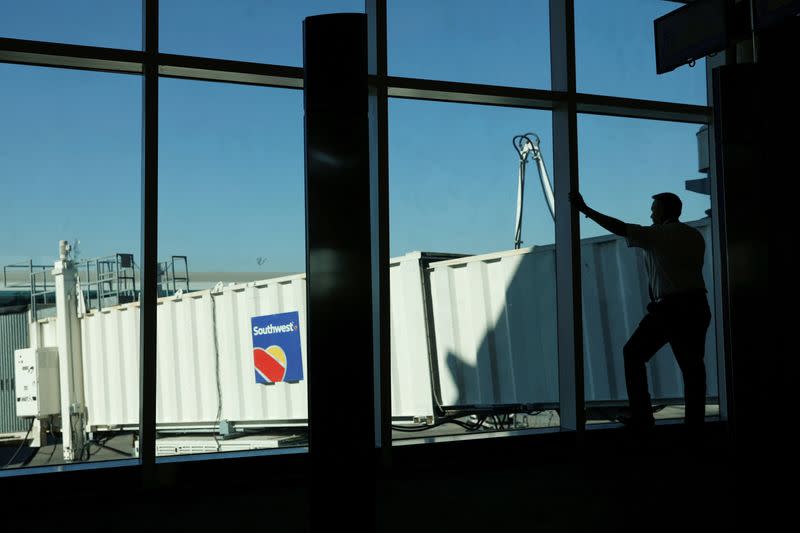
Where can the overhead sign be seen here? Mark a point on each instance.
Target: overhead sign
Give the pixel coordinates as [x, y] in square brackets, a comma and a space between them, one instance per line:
[689, 33]
[277, 354]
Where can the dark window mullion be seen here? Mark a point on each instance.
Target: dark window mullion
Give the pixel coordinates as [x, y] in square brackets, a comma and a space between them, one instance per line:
[147, 309]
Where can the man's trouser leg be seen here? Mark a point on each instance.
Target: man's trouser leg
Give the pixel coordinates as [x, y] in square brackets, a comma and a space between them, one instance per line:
[688, 345]
[648, 338]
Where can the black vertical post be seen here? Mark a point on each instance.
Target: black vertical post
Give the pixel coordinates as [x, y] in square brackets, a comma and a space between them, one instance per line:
[739, 120]
[147, 307]
[379, 178]
[338, 266]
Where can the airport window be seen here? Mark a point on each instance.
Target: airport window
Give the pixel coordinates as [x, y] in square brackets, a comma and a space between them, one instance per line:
[473, 302]
[115, 24]
[232, 242]
[243, 30]
[615, 53]
[71, 171]
[623, 163]
[473, 319]
[499, 43]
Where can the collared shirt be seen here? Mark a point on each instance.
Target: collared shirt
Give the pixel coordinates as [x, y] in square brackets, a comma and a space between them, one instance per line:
[673, 256]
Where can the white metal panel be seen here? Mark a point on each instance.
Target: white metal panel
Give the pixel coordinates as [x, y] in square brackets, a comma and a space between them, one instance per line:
[493, 323]
[495, 327]
[244, 399]
[110, 347]
[186, 376]
[43, 333]
[614, 285]
[187, 358]
[410, 363]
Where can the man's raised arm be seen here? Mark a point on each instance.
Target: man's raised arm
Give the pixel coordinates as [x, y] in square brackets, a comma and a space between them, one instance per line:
[611, 224]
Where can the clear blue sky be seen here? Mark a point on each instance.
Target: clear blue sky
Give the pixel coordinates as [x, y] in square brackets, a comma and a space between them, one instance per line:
[231, 157]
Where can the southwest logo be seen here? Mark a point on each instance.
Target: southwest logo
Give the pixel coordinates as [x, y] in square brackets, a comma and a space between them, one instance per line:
[270, 364]
[277, 352]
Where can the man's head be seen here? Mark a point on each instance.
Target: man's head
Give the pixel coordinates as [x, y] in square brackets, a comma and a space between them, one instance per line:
[666, 208]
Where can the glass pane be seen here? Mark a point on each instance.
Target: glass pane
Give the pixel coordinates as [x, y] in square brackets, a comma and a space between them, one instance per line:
[116, 24]
[244, 30]
[231, 316]
[615, 53]
[472, 318]
[70, 157]
[500, 42]
[623, 163]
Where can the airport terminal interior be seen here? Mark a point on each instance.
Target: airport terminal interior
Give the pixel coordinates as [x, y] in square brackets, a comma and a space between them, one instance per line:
[318, 265]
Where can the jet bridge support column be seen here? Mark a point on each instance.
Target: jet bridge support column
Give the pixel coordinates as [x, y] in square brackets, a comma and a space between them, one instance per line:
[68, 340]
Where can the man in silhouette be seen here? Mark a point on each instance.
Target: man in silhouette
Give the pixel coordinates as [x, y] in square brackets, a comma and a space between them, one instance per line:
[678, 311]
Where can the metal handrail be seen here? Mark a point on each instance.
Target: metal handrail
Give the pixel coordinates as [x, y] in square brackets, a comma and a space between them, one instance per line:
[113, 276]
[28, 265]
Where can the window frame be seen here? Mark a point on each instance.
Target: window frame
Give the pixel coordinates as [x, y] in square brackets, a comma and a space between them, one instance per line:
[562, 100]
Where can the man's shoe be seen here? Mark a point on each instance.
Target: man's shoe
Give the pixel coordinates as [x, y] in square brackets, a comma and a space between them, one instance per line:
[638, 424]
